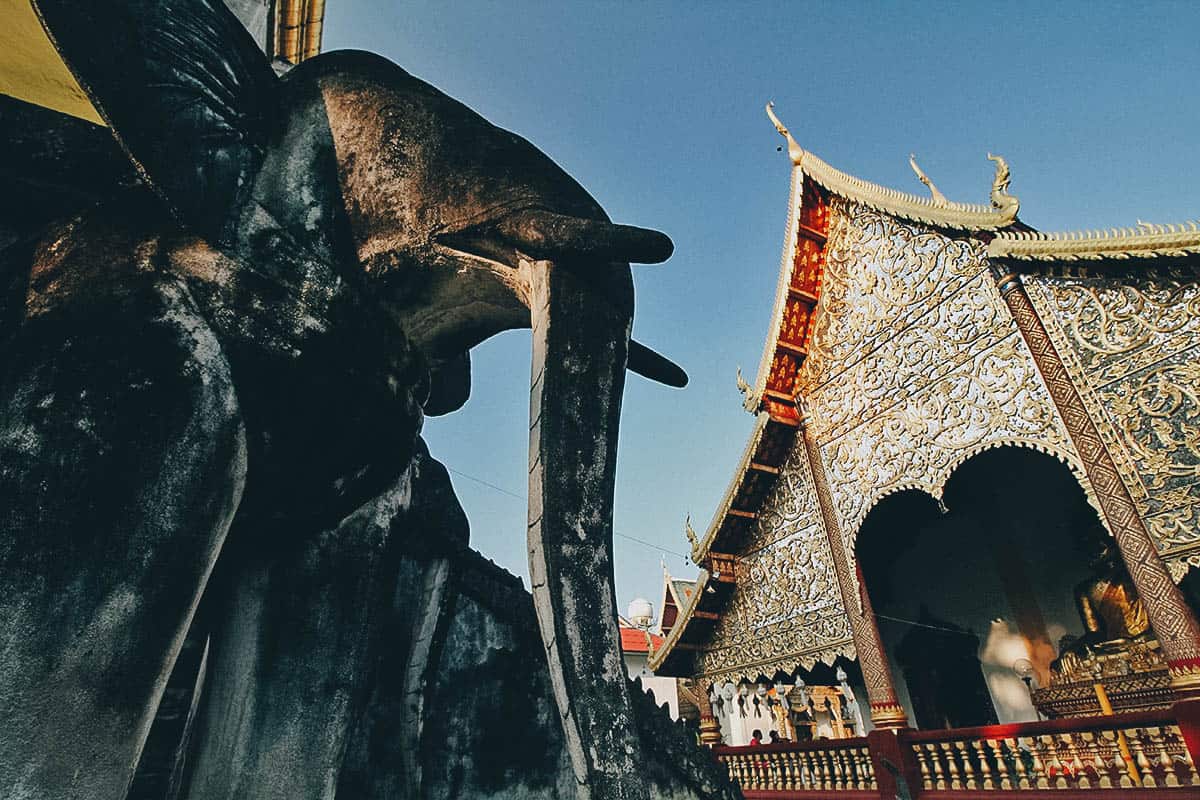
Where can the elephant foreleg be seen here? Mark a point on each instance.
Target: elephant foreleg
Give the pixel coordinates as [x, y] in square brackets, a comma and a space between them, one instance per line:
[122, 460]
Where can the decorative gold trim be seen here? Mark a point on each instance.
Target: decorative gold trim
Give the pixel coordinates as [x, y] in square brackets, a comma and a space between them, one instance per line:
[1002, 201]
[700, 549]
[888, 716]
[939, 213]
[1185, 679]
[872, 658]
[1144, 241]
[744, 389]
[935, 487]
[788, 664]
[752, 400]
[693, 543]
[1040, 297]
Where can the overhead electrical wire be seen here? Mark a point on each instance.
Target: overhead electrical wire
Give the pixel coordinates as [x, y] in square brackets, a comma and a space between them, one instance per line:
[651, 545]
[516, 496]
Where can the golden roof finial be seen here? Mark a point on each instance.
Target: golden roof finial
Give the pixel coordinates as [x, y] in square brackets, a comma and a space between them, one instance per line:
[938, 197]
[1001, 199]
[795, 152]
[743, 387]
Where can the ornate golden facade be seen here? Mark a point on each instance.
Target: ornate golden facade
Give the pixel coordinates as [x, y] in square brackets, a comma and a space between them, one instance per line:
[915, 364]
[896, 333]
[1132, 349]
[788, 613]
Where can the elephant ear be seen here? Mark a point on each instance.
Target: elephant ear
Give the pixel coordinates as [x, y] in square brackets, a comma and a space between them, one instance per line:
[186, 91]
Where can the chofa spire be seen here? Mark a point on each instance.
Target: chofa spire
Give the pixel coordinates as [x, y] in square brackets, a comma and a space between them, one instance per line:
[936, 210]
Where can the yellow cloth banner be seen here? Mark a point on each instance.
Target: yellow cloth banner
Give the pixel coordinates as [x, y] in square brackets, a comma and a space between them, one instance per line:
[30, 68]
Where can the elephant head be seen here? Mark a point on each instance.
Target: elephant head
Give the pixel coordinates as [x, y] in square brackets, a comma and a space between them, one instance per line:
[453, 229]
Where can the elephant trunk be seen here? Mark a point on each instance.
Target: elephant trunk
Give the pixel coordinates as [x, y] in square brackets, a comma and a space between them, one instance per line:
[581, 325]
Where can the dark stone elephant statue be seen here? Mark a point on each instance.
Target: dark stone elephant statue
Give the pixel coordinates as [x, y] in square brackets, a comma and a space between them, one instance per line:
[229, 567]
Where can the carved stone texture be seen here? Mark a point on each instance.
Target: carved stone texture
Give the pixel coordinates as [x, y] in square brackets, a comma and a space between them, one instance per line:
[1173, 622]
[915, 365]
[478, 675]
[786, 611]
[1132, 348]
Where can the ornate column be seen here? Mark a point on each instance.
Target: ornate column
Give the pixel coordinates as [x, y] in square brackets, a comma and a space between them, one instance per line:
[1169, 615]
[710, 729]
[886, 712]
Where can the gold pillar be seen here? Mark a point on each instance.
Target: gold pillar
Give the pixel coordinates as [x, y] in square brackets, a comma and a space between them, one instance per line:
[1169, 615]
[710, 729]
[886, 711]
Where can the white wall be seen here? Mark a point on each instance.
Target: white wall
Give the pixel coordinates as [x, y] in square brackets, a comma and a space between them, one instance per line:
[665, 690]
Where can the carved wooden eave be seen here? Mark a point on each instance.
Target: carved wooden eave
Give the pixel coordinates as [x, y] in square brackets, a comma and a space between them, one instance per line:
[754, 398]
[1117, 244]
[765, 452]
[699, 615]
[768, 447]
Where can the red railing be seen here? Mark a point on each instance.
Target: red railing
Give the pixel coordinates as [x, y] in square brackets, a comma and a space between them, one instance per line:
[1128, 754]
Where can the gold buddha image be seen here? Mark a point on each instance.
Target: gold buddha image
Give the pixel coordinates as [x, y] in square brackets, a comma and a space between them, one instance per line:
[1117, 637]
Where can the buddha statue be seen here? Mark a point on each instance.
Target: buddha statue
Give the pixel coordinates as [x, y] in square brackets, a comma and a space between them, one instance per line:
[1117, 637]
[1108, 602]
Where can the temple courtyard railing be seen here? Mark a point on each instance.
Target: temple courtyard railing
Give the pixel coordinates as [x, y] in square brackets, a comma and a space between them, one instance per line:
[1128, 754]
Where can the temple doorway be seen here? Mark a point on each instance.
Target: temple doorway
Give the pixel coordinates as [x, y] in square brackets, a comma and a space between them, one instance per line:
[978, 594]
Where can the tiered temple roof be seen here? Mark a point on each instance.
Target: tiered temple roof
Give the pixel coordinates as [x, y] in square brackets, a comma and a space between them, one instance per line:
[1117, 244]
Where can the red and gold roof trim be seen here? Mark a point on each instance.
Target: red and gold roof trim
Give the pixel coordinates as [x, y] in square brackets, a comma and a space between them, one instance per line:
[775, 404]
[775, 427]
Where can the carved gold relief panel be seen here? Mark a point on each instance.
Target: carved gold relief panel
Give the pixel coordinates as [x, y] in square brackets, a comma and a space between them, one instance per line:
[916, 365]
[786, 611]
[1132, 347]
[881, 276]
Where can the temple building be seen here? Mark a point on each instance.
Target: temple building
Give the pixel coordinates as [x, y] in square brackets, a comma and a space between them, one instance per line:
[971, 491]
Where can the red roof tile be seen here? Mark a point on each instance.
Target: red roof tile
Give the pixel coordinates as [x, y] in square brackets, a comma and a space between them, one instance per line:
[633, 640]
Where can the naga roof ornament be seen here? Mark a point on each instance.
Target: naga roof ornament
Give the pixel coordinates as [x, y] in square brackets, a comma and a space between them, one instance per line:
[690, 532]
[1002, 201]
[744, 388]
[1144, 241]
[935, 210]
[938, 197]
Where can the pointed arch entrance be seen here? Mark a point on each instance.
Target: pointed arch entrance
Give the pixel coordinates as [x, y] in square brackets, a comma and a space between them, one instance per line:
[967, 590]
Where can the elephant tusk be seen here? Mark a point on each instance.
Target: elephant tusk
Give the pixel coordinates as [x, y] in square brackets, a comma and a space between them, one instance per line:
[655, 366]
[544, 235]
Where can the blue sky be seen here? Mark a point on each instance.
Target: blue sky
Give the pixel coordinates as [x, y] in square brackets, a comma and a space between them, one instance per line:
[657, 109]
